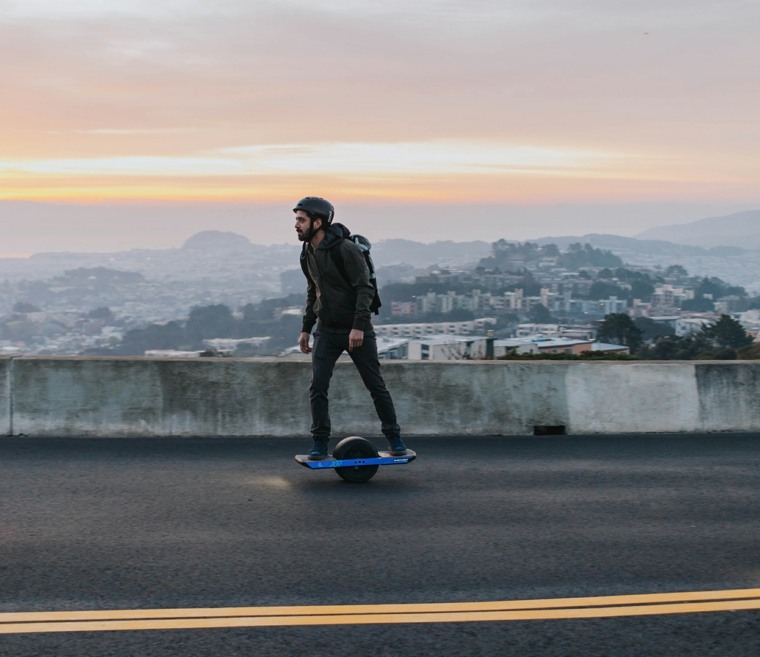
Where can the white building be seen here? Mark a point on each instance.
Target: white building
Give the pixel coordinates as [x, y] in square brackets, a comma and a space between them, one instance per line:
[449, 347]
[537, 344]
[750, 320]
[692, 324]
[424, 329]
[613, 306]
[229, 345]
[585, 332]
[670, 296]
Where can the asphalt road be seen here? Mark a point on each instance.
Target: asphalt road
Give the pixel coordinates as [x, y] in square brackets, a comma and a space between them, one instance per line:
[178, 524]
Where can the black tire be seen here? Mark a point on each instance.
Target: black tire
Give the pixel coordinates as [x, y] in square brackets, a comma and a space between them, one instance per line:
[355, 447]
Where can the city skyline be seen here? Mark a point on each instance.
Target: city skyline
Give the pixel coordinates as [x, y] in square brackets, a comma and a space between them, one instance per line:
[429, 121]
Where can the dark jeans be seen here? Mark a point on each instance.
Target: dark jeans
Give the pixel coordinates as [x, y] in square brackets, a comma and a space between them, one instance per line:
[326, 350]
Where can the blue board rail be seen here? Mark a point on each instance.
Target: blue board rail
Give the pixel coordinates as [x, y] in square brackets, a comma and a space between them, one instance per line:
[383, 458]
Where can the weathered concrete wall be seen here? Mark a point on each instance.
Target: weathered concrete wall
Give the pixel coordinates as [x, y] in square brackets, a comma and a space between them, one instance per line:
[147, 397]
[215, 397]
[6, 425]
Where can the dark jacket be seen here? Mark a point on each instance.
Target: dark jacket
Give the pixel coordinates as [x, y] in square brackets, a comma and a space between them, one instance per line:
[338, 304]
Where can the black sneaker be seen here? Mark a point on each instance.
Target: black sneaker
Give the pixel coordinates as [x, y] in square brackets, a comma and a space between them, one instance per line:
[396, 446]
[319, 451]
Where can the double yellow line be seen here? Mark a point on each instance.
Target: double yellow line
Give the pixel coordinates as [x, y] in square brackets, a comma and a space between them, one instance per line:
[449, 612]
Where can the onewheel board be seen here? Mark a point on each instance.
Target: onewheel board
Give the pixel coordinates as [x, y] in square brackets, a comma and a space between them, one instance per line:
[355, 459]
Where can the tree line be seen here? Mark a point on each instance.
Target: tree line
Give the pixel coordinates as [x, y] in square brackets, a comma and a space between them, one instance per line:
[723, 339]
[218, 321]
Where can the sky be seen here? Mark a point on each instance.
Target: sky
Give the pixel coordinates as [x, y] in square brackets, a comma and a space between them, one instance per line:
[440, 119]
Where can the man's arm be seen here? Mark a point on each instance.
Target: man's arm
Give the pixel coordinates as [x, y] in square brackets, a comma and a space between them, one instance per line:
[309, 316]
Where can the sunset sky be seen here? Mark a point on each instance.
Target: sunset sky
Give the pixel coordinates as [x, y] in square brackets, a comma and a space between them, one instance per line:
[525, 116]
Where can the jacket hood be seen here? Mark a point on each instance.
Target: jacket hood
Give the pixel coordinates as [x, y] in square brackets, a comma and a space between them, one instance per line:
[334, 234]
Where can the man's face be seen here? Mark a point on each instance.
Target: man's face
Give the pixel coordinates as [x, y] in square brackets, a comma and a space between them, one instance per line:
[304, 227]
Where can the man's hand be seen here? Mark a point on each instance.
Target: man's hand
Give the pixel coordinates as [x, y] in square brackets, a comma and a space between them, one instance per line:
[355, 339]
[303, 343]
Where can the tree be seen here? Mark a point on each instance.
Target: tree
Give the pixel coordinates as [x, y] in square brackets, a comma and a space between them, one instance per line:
[718, 288]
[539, 314]
[605, 275]
[214, 321]
[651, 330]
[700, 304]
[529, 285]
[154, 336]
[676, 271]
[584, 255]
[752, 352]
[726, 332]
[102, 313]
[642, 290]
[618, 328]
[725, 339]
[671, 347]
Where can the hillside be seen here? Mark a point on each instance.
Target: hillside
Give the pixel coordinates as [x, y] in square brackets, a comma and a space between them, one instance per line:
[740, 230]
[733, 264]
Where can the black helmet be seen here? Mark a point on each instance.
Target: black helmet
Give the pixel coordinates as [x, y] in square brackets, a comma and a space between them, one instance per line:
[316, 208]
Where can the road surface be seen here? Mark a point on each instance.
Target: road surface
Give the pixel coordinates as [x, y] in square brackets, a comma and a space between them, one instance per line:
[616, 546]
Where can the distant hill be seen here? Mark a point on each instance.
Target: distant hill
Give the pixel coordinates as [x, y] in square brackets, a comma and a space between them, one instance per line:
[740, 230]
[217, 262]
[396, 251]
[217, 240]
[630, 245]
[732, 264]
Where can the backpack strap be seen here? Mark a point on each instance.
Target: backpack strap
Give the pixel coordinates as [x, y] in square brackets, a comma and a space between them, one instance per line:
[304, 264]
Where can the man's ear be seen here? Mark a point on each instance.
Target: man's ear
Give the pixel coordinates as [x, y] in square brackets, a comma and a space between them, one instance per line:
[317, 223]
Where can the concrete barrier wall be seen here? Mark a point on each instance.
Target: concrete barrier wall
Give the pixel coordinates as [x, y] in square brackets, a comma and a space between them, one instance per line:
[6, 423]
[242, 397]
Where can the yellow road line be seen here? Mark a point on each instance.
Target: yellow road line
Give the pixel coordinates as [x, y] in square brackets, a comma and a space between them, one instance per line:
[450, 612]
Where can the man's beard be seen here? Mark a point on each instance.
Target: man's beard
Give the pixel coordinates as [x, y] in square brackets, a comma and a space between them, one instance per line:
[306, 235]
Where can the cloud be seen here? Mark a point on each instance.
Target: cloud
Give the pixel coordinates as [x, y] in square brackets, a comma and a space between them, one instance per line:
[447, 169]
[374, 92]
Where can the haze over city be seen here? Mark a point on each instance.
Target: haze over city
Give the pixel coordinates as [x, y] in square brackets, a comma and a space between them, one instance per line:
[136, 124]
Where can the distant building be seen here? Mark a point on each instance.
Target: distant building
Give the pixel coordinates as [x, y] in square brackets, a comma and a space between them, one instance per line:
[693, 323]
[172, 353]
[392, 349]
[423, 329]
[613, 306]
[669, 296]
[450, 347]
[229, 345]
[404, 308]
[610, 348]
[585, 332]
[538, 344]
[750, 320]
[667, 320]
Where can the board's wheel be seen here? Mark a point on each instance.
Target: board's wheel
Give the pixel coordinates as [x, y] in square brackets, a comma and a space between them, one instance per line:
[355, 447]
